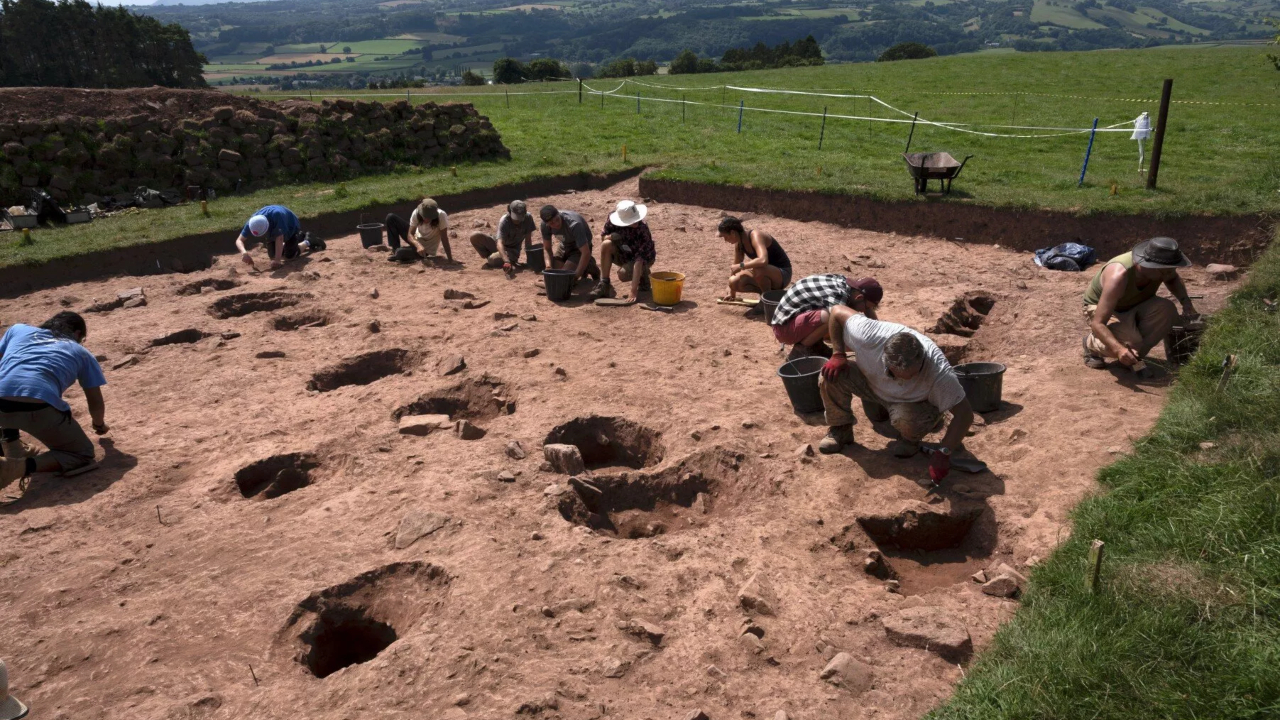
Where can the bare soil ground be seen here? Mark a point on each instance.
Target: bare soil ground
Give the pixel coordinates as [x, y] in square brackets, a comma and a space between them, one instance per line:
[261, 541]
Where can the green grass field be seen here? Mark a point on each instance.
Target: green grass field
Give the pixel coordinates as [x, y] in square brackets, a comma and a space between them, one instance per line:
[1217, 159]
[1214, 158]
[444, 53]
[1187, 621]
[1061, 12]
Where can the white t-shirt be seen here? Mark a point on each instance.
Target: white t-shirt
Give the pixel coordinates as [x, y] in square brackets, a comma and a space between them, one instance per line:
[424, 231]
[936, 382]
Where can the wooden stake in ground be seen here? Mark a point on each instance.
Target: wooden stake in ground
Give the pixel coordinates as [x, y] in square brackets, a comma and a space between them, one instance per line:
[1228, 368]
[1095, 565]
[1158, 145]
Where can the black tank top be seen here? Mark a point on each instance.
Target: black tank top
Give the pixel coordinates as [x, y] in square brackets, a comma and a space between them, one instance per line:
[777, 256]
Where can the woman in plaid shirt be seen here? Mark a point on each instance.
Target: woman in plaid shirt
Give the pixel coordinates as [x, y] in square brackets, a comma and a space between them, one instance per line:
[801, 317]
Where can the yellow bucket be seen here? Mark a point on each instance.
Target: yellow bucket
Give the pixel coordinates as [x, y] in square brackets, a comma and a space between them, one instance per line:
[667, 287]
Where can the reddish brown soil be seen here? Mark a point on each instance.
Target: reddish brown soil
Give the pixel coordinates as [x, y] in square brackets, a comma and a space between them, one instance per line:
[150, 587]
[41, 104]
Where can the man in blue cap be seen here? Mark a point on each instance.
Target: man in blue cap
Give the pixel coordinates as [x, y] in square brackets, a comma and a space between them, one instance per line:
[278, 228]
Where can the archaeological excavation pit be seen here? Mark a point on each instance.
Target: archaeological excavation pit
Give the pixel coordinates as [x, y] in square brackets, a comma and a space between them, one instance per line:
[277, 475]
[214, 284]
[966, 315]
[243, 304]
[923, 546]
[609, 442]
[641, 505]
[483, 398]
[353, 622]
[180, 337]
[305, 319]
[362, 369]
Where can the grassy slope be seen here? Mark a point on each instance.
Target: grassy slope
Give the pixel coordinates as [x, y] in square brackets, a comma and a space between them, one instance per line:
[1187, 624]
[1216, 157]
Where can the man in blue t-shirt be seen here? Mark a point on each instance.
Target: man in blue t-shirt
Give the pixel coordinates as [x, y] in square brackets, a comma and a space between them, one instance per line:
[278, 228]
[37, 365]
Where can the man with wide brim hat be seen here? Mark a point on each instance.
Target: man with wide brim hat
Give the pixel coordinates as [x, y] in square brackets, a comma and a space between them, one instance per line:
[10, 707]
[1126, 318]
[626, 242]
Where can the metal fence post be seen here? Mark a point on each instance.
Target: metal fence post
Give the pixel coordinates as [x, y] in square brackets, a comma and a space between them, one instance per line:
[1088, 151]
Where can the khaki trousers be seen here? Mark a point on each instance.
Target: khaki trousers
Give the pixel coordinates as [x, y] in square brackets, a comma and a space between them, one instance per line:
[913, 421]
[487, 246]
[1141, 327]
[59, 432]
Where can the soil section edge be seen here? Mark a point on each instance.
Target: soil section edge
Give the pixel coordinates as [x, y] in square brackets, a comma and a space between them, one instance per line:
[1237, 240]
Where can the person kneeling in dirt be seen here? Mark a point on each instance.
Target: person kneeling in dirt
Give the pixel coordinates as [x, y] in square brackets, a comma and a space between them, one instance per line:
[276, 224]
[426, 231]
[802, 318]
[626, 240]
[573, 252]
[515, 230]
[37, 365]
[759, 262]
[901, 376]
[1126, 319]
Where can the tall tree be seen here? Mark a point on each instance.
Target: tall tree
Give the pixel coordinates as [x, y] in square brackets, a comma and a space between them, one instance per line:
[71, 43]
[508, 71]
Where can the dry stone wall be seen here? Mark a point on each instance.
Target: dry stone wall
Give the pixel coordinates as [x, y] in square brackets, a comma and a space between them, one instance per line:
[76, 158]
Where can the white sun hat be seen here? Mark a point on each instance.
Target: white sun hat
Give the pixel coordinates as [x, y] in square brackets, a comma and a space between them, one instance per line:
[628, 213]
[258, 224]
[10, 708]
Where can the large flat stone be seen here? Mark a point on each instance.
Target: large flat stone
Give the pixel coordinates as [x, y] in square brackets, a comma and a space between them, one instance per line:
[424, 424]
[417, 525]
[932, 629]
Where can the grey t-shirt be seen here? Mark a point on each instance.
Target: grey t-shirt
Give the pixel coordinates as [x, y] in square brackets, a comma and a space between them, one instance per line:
[574, 230]
[511, 233]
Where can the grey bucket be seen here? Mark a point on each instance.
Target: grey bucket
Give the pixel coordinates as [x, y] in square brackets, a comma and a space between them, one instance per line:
[370, 234]
[770, 302]
[559, 284]
[983, 383]
[800, 378]
[537, 262]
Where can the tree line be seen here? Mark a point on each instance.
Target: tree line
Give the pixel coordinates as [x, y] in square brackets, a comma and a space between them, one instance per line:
[760, 57]
[71, 43]
[510, 71]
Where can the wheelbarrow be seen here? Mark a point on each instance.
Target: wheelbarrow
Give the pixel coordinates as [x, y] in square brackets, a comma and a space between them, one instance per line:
[938, 166]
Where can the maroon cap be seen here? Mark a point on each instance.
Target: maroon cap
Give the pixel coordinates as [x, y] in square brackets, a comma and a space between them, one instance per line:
[869, 288]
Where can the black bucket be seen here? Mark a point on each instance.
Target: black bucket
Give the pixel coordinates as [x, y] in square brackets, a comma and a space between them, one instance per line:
[770, 302]
[534, 258]
[800, 378]
[1182, 342]
[370, 234]
[559, 284]
[983, 383]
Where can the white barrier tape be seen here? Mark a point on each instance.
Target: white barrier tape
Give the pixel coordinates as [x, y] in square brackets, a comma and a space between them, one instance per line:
[830, 92]
[958, 127]
[945, 126]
